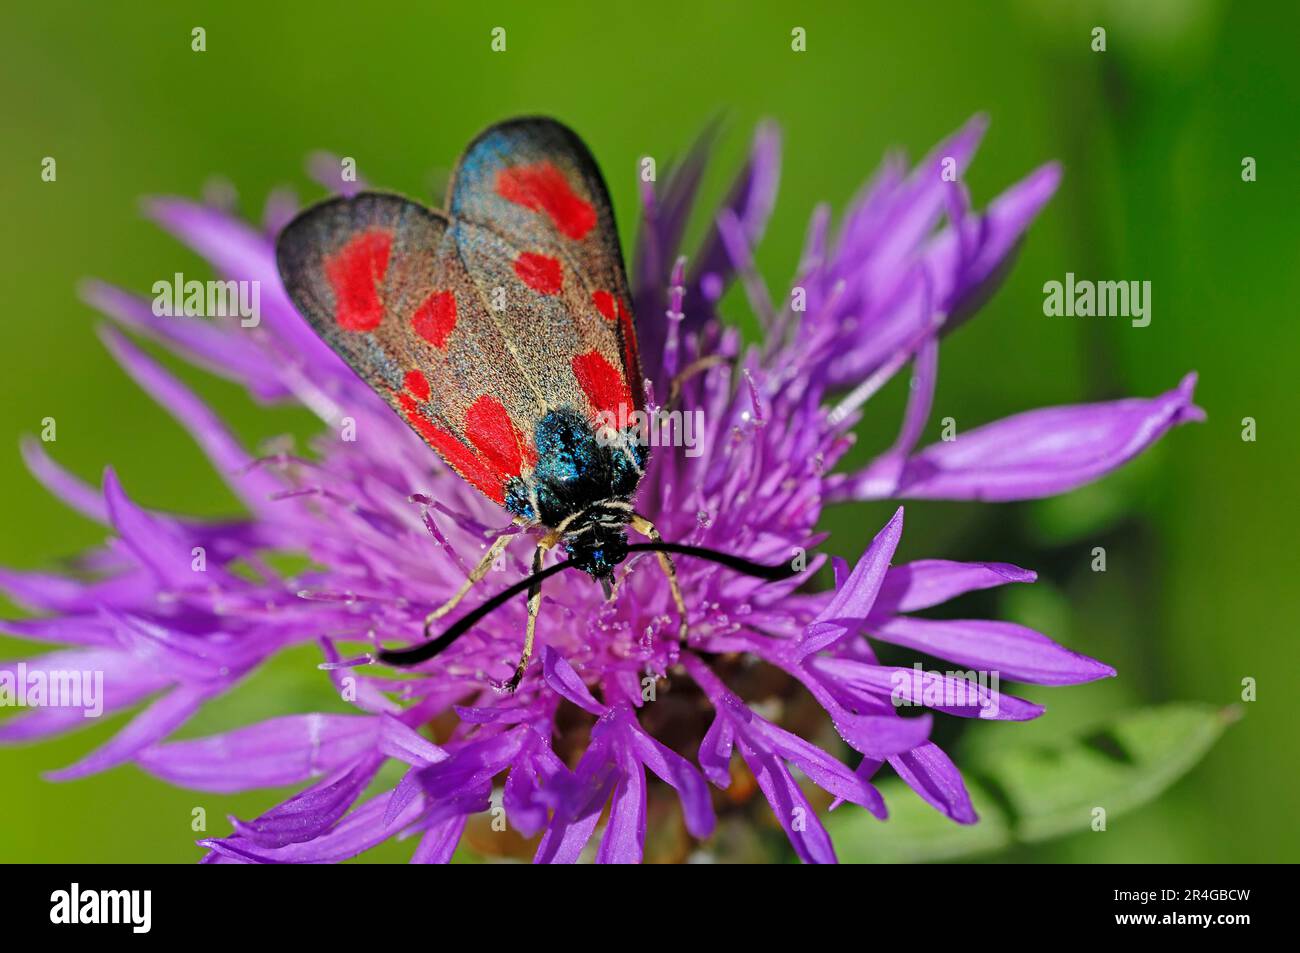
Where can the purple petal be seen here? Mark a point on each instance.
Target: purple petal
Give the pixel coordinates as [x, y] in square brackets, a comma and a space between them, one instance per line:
[955, 695]
[154, 723]
[73, 492]
[1013, 651]
[254, 486]
[241, 252]
[797, 817]
[751, 200]
[575, 819]
[126, 681]
[473, 764]
[287, 750]
[881, 477]
[1045, 452]
[878, 736]
[715, 750]
[881, 735]
[400, 741]
[565, 838]
[929, 582]
[930, 773]
[406, 791]
[439, 842]
[78, 598]
[915, 208]
[46, 592]
[673, 769]
[154, 542]
[363, 691]
[828, 773]
[184, 654]
[310, 813]
[221, 350]
[279, 209]
[898, 322]
[566, 683]
[852, 603]
[359, 831]
[624, 838]
[524, 799]
[663, 222]
[68, 630]
[970, 258]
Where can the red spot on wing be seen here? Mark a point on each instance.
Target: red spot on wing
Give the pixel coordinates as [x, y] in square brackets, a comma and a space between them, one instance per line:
[493, 433]
[435, 318]
[630, 362]
[615, 310]
[542, 273]
[409, 406]
[355, 273]
[605, 304]
[542, 187]
[417, 384]
[605, 387]
[478, 472]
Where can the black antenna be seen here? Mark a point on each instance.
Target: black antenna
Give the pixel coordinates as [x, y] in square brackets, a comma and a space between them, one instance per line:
[427, 650]
[744, 566]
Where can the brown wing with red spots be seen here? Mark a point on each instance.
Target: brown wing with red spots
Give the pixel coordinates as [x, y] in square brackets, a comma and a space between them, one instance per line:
[473, 325]
[379, 278]
[535, 229]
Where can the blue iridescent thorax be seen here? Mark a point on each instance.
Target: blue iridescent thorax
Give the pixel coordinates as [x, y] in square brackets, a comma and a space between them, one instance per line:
[581, 486]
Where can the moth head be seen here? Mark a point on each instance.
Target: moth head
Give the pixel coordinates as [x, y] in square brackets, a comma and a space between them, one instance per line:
[596, 548]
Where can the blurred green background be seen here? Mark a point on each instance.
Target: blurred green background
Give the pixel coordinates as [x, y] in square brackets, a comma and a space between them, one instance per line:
[1200, 532]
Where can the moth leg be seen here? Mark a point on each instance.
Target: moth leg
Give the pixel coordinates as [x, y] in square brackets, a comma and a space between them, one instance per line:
[646, 528]
[534, 603]
[479, 572]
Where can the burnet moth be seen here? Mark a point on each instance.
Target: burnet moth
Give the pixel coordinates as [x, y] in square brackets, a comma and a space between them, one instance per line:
[501, 330]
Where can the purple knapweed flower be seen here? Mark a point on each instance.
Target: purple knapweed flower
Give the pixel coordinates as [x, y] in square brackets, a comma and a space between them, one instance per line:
[614, 715]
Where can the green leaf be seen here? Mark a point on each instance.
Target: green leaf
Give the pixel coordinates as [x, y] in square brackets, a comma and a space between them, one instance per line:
[1029, 794]
[915, 831]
